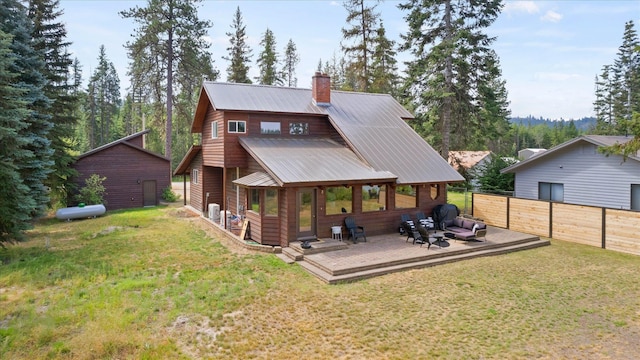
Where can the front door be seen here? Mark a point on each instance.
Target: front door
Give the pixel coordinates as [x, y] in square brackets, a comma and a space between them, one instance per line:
[149, 193]
[306, 219]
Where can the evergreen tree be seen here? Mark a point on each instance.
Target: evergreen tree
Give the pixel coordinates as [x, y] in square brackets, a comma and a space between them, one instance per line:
[491, 180]
[169, 41]
[450, 61]
[290, 62]
[268, 61]
[24, 124]
[363, 22]
[384, 74]
[50, 39]
[627, 76]
[239, 51]
[103, 102]
[603, 105]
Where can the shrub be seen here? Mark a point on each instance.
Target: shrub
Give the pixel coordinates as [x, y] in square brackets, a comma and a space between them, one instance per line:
[168, 195]
[93, 192]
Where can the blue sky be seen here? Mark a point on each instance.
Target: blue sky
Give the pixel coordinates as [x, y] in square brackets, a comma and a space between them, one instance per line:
[550, 51]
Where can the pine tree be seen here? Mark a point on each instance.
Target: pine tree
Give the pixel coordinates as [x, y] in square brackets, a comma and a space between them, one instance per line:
[363, 21]
[24, 124]
[290, 62]
[449, 50]
[168, 42]
[239, 51]
[268, 61]
[103, 102]
[603, 105]
[50, 39]
[384, 74]
[626, 71]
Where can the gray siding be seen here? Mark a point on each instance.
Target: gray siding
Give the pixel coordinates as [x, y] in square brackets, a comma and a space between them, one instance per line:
[589, 178]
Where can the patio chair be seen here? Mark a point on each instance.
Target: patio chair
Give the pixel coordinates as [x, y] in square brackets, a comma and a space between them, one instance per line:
[354, 230]
[424, 233]
[412, 233]
[405, 218]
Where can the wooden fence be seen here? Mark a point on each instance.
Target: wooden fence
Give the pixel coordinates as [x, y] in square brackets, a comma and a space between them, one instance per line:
[612, 229]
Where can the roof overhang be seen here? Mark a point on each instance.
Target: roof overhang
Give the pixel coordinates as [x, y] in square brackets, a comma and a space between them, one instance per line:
[185, 164]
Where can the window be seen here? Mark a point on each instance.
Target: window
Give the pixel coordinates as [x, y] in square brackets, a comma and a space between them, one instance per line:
[406, 197]
[237, 126]
[338, 198]
[271, 202]
[254, 200]
[374, 198]
[214, 130]
[194, 176]
[550, 191]
[635, 196]
[267, 127]
[299, 129]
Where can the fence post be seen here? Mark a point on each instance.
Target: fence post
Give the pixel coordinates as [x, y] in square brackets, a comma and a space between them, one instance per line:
[604, 228]
[508, 210]
[550, 219]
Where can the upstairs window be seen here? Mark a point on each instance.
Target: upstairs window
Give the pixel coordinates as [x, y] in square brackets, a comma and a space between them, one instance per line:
[237, 127]
[269, 128]
[214, 130]
[299, 129]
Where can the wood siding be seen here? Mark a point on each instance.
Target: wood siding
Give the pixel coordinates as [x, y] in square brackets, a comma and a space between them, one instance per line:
[589, 178]
[196, 192]
[125, 168]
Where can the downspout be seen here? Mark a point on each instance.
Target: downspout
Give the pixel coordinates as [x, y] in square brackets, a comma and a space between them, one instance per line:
[238, 192]
[224, 197]
[184, 188]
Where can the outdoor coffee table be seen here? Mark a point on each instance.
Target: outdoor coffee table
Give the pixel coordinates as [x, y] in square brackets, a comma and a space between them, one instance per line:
[438, 238]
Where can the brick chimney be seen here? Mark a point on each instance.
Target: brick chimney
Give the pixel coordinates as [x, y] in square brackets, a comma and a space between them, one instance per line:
[321, 89]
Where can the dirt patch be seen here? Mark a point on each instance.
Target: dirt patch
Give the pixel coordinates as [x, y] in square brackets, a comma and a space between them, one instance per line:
[195, 336]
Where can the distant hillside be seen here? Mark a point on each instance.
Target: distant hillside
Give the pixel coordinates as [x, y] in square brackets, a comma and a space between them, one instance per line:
[581, 124]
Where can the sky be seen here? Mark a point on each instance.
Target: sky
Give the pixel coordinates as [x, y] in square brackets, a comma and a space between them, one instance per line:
[550, 51]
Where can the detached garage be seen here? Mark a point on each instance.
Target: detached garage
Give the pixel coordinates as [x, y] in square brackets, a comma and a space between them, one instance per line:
[135, 177]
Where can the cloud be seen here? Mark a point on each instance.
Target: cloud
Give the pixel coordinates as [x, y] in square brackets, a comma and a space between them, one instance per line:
[529, 7]
[551, 16]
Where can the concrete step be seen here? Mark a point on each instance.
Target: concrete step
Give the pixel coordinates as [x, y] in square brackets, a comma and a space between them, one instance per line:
[391, 268]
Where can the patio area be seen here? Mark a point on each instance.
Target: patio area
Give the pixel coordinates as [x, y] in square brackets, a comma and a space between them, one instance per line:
[334, 261]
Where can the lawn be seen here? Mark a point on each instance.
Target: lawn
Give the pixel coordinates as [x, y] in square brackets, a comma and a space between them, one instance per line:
[154, 284]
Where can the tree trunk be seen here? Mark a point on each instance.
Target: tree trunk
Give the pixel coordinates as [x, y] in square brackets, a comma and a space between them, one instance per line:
[169, 88]
[447, 103]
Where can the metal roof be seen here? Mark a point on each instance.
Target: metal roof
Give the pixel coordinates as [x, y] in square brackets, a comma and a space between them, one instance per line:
[373, 125]
[124, 141]
[310, 160]
[598, 140]
[257, 179]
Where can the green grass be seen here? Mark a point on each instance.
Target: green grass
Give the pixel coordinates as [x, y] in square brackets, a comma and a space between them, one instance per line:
[457, 198]
[151, 284]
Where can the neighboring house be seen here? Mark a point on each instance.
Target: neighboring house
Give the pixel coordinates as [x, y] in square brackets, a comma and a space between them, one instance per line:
[524, 154]
[135, 177]
[575, 172]
[470, 164]
[295, 162]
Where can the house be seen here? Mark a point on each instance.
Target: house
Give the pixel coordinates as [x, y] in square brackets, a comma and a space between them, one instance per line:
[295, 162]
[135, 177]
[575, 172]
[470, 164]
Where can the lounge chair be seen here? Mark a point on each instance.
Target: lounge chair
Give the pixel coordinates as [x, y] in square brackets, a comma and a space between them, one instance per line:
[354, 230]
[412, 233]
[424, 233]
[405, 218]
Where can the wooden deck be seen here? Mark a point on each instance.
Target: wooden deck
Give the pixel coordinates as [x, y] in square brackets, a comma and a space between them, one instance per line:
[334, 261]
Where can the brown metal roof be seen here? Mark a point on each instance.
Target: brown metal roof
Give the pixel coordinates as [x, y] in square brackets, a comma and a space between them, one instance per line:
[372, 124]
[124, 141]
[185, 164]
[310, 160]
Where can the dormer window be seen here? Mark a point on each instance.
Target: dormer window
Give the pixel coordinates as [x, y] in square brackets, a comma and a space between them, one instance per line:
[237, 127]
[299, 129]
[269, 128]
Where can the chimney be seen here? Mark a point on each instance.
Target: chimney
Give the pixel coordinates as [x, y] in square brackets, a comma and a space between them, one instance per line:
[321, 89]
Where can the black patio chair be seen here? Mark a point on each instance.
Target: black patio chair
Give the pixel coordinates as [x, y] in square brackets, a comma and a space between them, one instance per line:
[405, 218]
[354, 230]
[412, 233]
[424, 233]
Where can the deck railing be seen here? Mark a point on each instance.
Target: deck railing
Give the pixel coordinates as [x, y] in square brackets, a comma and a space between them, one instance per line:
[612, 229]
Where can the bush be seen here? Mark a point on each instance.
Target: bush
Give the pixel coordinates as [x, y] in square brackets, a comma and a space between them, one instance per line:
[93, 192]
[168, 195]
